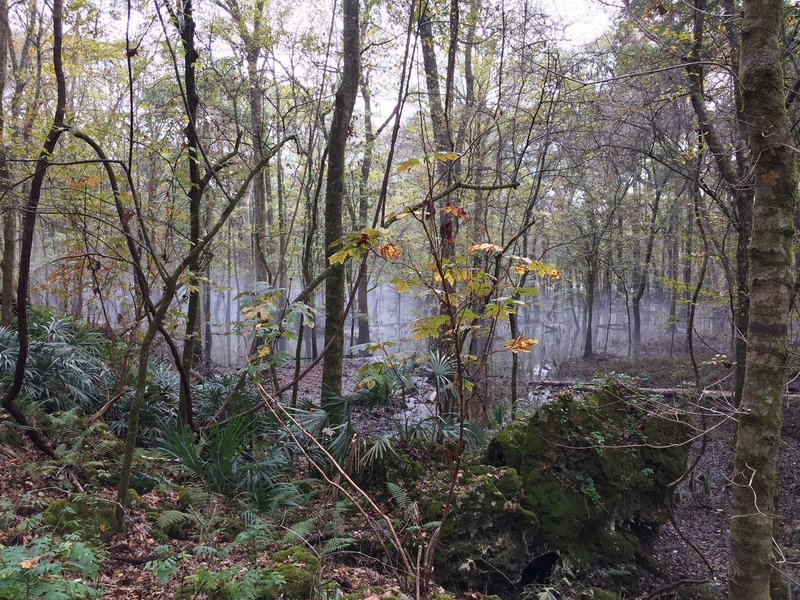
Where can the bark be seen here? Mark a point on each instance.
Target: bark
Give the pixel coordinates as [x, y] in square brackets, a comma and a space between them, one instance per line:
[334, 201]
[363, 209]
[442, 139]
[591, 284]
[643, 275]
[28, 226]
[190, 343]
[772, 276]
[259, 189]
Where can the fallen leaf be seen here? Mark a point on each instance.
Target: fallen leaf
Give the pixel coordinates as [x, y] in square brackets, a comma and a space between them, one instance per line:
[30, 563]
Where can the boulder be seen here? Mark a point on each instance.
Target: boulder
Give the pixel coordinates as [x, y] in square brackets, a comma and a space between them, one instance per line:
[582, 483]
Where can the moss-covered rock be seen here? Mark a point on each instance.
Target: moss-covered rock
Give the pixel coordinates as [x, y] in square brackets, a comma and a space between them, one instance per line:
[84, 515]
[488, 535]
[584, 481]
[299, 569]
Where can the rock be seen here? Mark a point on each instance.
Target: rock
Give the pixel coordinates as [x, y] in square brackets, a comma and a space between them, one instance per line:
[299, 569]
[85, 515]
[582, 483]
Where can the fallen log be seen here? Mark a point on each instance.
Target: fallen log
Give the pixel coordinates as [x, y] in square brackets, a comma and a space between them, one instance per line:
[666, 392]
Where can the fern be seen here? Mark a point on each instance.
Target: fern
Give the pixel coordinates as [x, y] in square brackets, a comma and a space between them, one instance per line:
[334, 545]
[399, 496]
[172, 519]
[300, 532]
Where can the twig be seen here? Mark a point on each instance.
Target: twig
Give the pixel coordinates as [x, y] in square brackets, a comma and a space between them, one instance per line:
[105, 408]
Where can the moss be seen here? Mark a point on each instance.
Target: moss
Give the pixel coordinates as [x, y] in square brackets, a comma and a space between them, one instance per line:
[704, 591]
[83, 515]
[486, 529]
[231, 528]
[509, 483]
[506, 447]
[576, 480]
[299, 569]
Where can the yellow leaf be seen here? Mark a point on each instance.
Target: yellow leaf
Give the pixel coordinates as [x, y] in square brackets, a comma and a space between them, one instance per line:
[520, 344]
[446, 156]
[264, 351]
[401, 286]
[520, 269]
[407, 165]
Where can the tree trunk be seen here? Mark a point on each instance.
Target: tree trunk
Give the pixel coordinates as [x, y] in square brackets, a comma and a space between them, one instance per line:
[259, 190]
[334, 200]
[9, 219]
[645, 272]
[363, 210]
[591, 277]
[190, 342]
[772, 276]
[28, 227]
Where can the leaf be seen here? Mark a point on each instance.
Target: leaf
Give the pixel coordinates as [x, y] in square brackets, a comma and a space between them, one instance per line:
[407, 165]
[401, 285]
[520, 344]
[446, 156]
[389, 252]
[457, 212]
[429, 327]
[30, 563]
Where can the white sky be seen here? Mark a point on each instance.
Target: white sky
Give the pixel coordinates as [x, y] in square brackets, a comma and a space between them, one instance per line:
[584, 20]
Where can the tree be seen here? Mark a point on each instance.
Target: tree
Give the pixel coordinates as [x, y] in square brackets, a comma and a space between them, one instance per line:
[334, 200]
[772, 276]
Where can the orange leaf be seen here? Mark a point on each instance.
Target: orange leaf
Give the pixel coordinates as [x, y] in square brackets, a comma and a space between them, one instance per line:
[520, 344]
[457, 212]
[389, 252]
[30, 563]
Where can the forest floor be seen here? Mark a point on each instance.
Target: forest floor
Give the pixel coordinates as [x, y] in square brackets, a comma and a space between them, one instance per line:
[692, 548]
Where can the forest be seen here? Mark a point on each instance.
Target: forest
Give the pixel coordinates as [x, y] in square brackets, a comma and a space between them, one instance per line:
[399, 299]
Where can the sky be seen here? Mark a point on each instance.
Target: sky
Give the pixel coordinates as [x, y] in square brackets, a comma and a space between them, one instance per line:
[584, 20]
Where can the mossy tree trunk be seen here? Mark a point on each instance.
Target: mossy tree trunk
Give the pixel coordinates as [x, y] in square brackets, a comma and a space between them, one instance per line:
[334, 201]
[755, 482]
